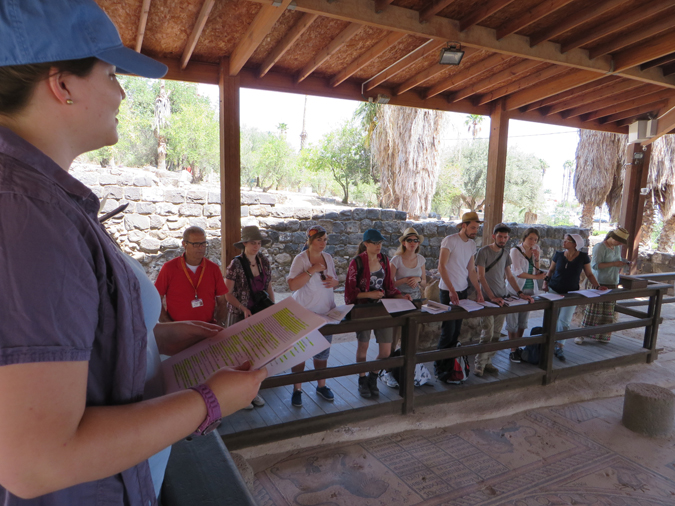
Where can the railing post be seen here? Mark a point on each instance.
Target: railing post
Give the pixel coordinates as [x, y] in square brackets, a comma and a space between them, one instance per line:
[652, 331]
[546, 359]
[409, 336]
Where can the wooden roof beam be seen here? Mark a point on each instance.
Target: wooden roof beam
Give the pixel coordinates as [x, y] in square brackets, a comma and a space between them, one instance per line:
[488, 82]
[363, 60]
[629, 39]
[404, 63]
[381, 5]
[196, 32]
[636, 111]
[668, 69]
[613, 25]
[418, 79]
[339, 41]
[284, 44]
[481, 13]
[649, 50]
[666, 122]
[549, 88]
[530, 16]
[466, 74]
[608, 101]
[433, 8]
[630, 104]
[521, 84]
[576, 19]
[574, 92]
[405, 20]
[594, 96]
[664, 60]
[142, 21]
[260, 27]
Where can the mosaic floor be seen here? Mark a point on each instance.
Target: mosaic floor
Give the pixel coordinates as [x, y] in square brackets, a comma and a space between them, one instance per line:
[576, 454]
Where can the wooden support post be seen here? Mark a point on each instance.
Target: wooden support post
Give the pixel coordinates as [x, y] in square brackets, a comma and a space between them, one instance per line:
[496, 169]
[230, 169]
[409, 337]
[632, 202]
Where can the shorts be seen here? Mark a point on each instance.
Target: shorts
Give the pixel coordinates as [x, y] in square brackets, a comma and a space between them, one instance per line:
[325, 353]
[382, 336]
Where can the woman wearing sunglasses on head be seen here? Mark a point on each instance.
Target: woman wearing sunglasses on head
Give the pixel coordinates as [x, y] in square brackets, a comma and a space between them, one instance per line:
[407, 265]
[312, 279]
[79, 338]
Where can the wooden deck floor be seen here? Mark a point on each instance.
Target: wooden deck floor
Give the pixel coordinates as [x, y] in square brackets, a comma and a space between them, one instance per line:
[279, 411]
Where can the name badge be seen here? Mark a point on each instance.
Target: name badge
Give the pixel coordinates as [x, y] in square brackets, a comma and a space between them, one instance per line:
[197, 302]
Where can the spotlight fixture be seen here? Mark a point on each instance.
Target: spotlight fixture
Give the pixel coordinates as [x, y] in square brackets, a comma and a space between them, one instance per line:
[451, 54]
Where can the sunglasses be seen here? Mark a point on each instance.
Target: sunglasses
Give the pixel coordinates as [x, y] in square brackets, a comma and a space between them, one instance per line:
[412, 240]
[323, 276]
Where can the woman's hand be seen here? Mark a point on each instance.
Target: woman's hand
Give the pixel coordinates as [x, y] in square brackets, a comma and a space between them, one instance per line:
[544, 286]
[412, 281]
[330, 282]
[541, 275]
[174, 337]
[375, 294]
[497, 300]
[246, 311]
[236, 387]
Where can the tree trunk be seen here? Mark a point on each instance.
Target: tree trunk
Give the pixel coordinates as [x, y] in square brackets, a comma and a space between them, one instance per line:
[345, 187]
[647, 223]
[530, 218]
[667, 236]
[587, 216]
[161, 153]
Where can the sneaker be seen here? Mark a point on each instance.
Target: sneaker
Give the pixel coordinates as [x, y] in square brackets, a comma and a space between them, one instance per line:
[515, 356]
[372, 384]
[558, 352]
[326, 393]
[364, 391]
[258, 402]
[389, 380]
[491, 369]
[296, 398]
[478, 372]
[578, 340]
[249, 407]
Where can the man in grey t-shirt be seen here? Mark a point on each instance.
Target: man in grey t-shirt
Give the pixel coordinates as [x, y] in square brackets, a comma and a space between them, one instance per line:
[494, 269]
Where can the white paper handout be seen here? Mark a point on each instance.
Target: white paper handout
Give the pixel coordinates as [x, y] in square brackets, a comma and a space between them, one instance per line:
[470, 305]
[261, 338]
[434, 307]
[515, 301]
[551, 296]
[301, 351]
[591, 292]
[487, 303]
[397, 305]
[337, 314]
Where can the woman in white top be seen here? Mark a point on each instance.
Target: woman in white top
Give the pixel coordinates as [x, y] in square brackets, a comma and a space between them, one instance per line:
[408, 266]
[525, 268]
[312, 278]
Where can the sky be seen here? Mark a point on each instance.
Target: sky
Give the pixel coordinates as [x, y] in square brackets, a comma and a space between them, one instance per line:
[264, 110]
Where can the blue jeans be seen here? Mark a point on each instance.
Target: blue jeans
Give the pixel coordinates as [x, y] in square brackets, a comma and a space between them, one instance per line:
[564, 318]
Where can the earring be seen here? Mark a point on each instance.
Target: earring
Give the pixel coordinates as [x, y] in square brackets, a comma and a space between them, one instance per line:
[69, 102]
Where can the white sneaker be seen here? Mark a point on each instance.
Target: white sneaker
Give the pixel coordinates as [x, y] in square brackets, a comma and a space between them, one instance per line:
[258, 402]
[578, 340]
[249, 407]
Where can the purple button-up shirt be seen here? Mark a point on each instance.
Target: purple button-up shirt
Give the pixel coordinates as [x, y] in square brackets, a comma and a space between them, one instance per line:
[66, 294]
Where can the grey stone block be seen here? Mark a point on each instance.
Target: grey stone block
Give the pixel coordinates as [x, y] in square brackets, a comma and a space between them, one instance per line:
[649, 409]
[165, 209]
[292, 225]
[125, 179]
[330, 216]
[136, 221]
[170, 243]
[430, 229]
[249, 198]
[143, 180]
[335, 239]
[351, 250]
[258, 210]
[145, 208]
[190, 210]
[345, 215]
[154, 194]
[196, 196]
[365, 225]
[107, 179]
[244, 210]
[355, 239]
[283, 259]
[338, 227]
[198, 222]
[401, 215]
[156, 222]
[373, 214]
[89, 178]
[214, 197]
[330, 249]
[214, 210]
[299, 237]
[351, 227]
[115, 192]
[388, 214]
[213, 223]
[358, 213]
[285, 237]
[135, 236]
[110, 204]
[150, 245]
[282, 212]
[266, 199]
[180, 224]
[303, 213]
[174, 196]
[132, 193]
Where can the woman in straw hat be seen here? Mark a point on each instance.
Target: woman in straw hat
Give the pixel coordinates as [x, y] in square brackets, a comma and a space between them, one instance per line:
[563, 277]
[312, 278]
[606, 264]
[408, 266]
[79, 338]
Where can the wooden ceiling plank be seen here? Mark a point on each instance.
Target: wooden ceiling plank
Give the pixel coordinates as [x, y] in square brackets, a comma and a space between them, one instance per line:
[405, 20]
[615, 24]
[526, 82]
[636, 111]
[666, 122]
[649, 50]
[475, 88]
[329, 50]
[668, 69]
[363, 60]
[405, 62]
[419, 78]
[530, 16]
[630, 104]
[664, 60]
[478, 15]
[142, 21]
[547, 89]
[196, 32]
[661, 25]
[588, 108]
[433, 8]
[381, 5]
[579, 18]
[284, 45]
[587, 98]
[574, 92]
[466, 74]
[256, 32]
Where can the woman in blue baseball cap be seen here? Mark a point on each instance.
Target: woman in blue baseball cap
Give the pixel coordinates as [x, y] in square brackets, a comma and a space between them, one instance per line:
[79, 339]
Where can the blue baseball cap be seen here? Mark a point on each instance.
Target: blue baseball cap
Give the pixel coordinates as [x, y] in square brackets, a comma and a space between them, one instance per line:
[41, 31]
[372, 235]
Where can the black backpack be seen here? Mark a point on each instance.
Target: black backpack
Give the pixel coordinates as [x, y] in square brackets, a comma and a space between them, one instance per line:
[532, 352]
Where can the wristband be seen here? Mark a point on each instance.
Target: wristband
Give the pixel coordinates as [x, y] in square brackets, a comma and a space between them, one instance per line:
[308, 273]
[213, 413]
[520, 292]
[547, 278]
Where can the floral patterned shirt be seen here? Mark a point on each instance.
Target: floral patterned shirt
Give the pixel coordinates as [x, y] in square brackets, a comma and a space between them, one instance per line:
[241, 290]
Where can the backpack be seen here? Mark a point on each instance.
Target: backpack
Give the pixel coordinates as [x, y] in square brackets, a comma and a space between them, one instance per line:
[392, 377]
[532, 352]
[453, 370]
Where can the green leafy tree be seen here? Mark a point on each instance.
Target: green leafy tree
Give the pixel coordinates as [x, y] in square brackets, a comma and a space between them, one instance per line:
[447, 200]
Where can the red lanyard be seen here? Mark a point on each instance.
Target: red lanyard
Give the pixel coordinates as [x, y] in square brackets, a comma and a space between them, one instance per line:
[182, 259]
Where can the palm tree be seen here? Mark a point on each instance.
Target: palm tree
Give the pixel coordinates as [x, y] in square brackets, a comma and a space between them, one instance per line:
[661, 181]
[473, 123]
[161, 120]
